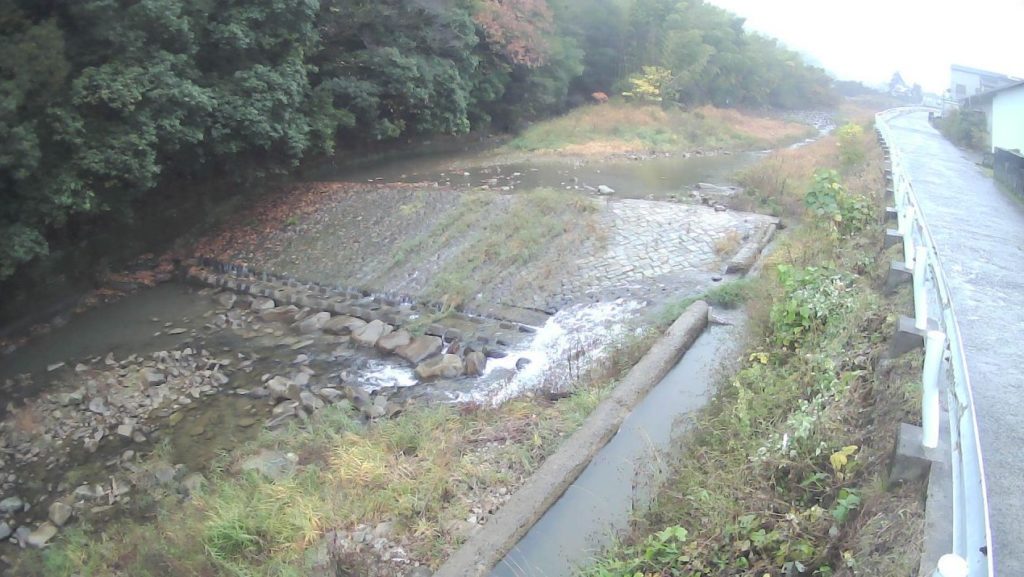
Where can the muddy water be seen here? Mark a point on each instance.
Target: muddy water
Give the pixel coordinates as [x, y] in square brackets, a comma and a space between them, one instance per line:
[134, 324]
[621, 479]
[659, 178]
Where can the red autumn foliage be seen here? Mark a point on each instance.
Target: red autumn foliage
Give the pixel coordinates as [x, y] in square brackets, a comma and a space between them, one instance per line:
[516, 29]
[599, 97]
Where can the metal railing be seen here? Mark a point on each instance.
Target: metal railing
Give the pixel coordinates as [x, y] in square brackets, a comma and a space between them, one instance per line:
[944, 359]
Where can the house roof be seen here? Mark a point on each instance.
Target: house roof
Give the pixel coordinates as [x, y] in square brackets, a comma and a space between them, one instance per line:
[988, 95]
[981, 72]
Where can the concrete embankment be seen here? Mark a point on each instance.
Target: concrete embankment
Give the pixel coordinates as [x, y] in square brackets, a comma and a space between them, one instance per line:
[486, 548]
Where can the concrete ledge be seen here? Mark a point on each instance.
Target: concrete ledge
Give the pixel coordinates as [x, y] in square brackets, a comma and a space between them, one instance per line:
[893, 237]
[891, 215]
[908, 337]
[911, 461]
[488, 546]
[899, 274]
[744, 259]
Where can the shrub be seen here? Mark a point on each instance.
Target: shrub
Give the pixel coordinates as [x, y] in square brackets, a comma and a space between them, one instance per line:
[810, 297]
[847, 213]
[851, 145]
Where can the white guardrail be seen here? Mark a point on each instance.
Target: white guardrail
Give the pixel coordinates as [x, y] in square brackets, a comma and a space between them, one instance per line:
[944, 360]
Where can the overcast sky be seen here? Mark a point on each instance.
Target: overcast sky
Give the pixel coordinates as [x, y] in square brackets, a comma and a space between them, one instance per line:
[868, 40]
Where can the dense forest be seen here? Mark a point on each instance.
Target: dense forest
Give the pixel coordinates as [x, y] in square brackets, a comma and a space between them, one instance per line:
[103, 102]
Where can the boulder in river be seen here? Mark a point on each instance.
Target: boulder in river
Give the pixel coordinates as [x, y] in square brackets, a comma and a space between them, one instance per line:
[283, 314]
[420, 348]
[313, 323]
[371, 333]
[445, 366]
[11, 505]
[152, 377]
[5, 530]
[343, 325]
[227, 299]
[331, 395]
[41, 535]
[260, 304]
[400, 338]
[282, 388]
[605, 189]
[475, 364]
[59, 513]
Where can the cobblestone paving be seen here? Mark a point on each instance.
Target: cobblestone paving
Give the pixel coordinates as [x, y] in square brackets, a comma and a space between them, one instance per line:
[657, 248]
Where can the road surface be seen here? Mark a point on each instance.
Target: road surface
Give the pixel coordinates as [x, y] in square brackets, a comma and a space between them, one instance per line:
[979, 235]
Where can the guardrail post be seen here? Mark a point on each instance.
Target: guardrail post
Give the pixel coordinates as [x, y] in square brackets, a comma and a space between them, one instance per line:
[935, 346]
[920, 281]
[951, 566]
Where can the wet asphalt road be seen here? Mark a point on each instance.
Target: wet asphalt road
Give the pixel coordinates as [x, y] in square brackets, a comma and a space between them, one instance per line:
[979, 234]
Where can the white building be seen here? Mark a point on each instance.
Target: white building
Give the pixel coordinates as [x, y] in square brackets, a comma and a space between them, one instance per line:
[965, 81]
[1004, 108]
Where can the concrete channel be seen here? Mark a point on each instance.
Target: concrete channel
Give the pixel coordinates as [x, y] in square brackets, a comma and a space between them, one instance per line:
[586, 493]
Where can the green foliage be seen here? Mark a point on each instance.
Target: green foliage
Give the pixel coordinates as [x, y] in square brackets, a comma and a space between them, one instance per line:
[828, 200]
[810, 297]
[851, 145]
[651, 85]
[966, 128]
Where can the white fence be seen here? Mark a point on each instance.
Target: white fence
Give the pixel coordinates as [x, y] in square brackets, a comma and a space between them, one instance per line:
[944, 364]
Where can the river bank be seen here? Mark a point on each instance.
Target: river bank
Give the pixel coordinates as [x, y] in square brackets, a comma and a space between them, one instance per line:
[786, 471]
[277, 403]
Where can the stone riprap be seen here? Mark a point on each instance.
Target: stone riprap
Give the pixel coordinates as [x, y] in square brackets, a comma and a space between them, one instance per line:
[654, 248]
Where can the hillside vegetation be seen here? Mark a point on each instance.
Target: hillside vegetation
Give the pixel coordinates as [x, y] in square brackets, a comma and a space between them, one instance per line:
[110, 104]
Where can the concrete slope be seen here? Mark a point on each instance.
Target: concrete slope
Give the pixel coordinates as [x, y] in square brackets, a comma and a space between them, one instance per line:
[979, 235]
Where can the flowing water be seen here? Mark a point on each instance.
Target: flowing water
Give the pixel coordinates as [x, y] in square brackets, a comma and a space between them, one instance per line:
[620, 480]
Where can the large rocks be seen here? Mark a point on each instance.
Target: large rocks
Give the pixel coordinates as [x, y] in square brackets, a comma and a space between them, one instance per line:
[227, 299]
[282, 388]
[5, 530]
[59, 513]
[41, 535]
[313, 323]
[11, 505]
[343, 325]
[260, 304]
[152, 377]
[285, 314]
[371, 333]
[420, 348]
[445, 366]
[331, 395]
[475, 364]
[388, 343]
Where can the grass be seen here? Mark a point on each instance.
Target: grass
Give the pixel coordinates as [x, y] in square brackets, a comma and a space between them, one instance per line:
[619, 127]
[424, 473]
[786, 470]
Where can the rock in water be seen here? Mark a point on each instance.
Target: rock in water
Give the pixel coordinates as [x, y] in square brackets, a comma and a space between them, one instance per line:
[475, 364]
[41, 535]
[310, 402]
[388, 343]
[282, 388]
[331, 395]
[371, 333]
[227, 299]
[445, 366]
[313, 323]
[5, 530]
[12, 505]
[420, 348]
[343, 325]
[59, 513]
[605, 189]
[283, 314]
[260, 304]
